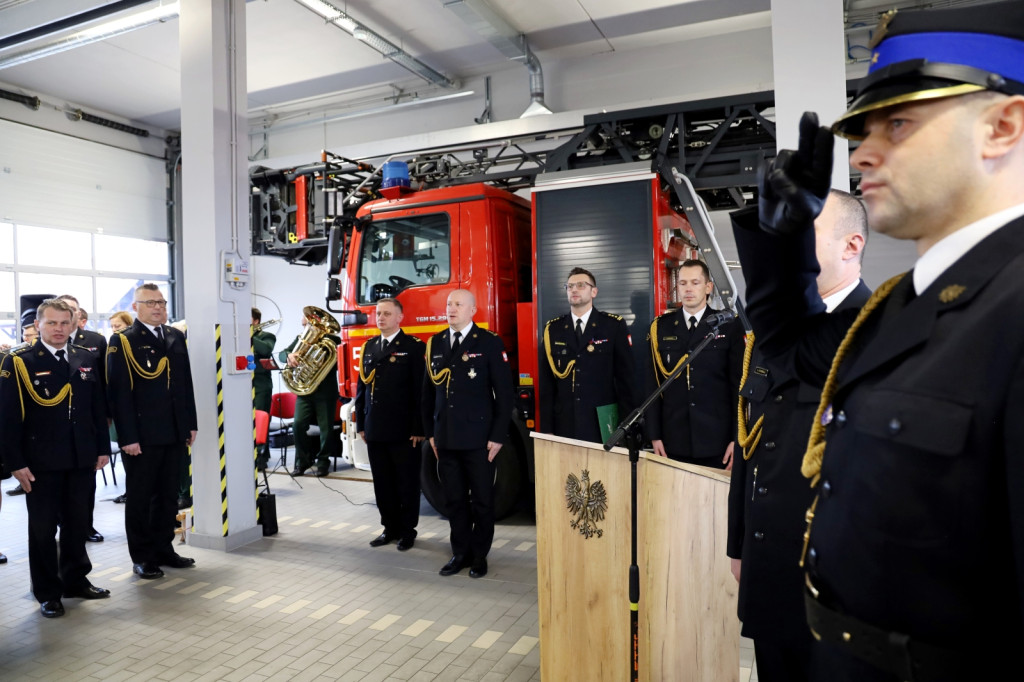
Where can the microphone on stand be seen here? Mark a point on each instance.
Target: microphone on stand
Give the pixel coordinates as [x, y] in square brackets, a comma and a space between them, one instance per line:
[720, 318]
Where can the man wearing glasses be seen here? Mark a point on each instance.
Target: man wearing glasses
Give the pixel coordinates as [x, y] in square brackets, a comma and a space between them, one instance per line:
[586, 368]
[151, 397]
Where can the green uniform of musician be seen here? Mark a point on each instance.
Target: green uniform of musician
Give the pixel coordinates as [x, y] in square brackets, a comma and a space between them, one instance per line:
[320, 407]
[262, 383]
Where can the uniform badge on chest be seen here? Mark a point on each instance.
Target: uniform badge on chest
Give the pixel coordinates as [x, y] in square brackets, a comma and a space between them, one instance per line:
[472, 373]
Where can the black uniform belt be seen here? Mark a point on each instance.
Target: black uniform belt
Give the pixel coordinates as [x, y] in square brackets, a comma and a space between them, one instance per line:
[892, 652]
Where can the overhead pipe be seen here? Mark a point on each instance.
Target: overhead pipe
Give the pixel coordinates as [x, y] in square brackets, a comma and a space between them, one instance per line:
[480, 17]
[361, 32]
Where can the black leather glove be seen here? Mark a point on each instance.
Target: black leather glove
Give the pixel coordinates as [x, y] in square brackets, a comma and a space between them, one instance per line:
[793, 187]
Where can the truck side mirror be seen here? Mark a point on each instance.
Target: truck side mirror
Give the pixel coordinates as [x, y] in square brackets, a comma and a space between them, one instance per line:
[351, 318]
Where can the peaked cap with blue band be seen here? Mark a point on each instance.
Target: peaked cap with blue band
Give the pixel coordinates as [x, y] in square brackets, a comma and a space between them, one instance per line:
[931, 54]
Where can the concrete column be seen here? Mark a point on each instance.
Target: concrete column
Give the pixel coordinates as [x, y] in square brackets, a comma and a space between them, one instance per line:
[809, 55]
[215, 232]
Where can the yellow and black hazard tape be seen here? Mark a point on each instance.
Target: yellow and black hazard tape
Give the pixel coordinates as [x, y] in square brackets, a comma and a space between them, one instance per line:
[220, 434]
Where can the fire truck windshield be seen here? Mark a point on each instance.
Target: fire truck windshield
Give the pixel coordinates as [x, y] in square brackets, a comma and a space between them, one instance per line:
[403, 252]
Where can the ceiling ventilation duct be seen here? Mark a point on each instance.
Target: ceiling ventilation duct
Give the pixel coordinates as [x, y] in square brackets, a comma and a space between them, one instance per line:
[479, 16]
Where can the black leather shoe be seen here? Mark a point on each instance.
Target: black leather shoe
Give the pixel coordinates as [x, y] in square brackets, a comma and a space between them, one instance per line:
[380, 540]
[184, 502]
[18, 490]
[323, 470]
[299, 471]
[478, 569]
[405, 544]
[120, 499]
[178, 561]
[147, 571]
[95, 537]
[3, 558]
[51, 609]
[454, 565]
[87, 592]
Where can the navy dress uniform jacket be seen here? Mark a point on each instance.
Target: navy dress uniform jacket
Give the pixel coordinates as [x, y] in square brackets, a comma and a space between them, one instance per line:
[696, 416]
[157, 411]
[388, 409]
[768, 496]
[69, 435]
[919, 527]
[472, 402]
[602, 375]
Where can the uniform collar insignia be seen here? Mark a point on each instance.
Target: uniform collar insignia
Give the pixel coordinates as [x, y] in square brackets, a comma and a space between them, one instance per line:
[951, 293]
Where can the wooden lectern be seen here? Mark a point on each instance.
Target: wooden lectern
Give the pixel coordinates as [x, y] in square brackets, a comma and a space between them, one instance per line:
[688, 624]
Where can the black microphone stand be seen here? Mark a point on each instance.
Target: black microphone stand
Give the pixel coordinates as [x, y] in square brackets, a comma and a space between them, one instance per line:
[629, 428]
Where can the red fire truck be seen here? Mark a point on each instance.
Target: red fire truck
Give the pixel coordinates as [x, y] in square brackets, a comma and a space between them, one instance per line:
[620, 198]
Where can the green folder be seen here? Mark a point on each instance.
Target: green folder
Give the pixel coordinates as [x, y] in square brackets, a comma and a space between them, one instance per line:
[608, 419]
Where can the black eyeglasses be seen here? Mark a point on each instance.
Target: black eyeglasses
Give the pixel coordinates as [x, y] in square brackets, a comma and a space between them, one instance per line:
[577, 286]
[154, 303]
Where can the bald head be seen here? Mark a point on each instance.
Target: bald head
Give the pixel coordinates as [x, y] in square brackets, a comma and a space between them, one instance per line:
[841, 233]
[461, 308]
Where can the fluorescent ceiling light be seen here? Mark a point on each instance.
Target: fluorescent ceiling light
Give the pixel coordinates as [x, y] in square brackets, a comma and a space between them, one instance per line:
[367, 112]
[93, 34]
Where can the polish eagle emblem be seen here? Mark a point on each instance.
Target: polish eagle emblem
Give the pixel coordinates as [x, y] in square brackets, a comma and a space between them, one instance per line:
[587, 501]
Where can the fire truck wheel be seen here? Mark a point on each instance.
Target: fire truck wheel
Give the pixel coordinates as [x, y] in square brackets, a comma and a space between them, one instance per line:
[507, 482]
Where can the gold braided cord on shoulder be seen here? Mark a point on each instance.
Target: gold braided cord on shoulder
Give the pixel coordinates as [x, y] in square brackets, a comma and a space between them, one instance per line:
[551, 361]
[25, 383]
[442, 377]
[748, 439]
[367, 379]
[815, 453]
[660, 371]
[133, 364]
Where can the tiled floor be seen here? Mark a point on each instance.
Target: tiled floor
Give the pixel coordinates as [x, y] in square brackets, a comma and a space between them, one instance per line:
[313, 602]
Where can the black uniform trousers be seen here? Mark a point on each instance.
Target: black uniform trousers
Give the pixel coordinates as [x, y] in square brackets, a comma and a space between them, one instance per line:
[150, 510]
[396, 484]
[467, 479]
[782, 661]
[62, 498]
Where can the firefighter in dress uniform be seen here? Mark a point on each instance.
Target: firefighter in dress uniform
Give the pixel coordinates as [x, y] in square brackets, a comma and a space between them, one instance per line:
[694, 420]
[914, 549]
[53, 417]
[467, 406]
[767, 495]
[587, 364]
[388, 419]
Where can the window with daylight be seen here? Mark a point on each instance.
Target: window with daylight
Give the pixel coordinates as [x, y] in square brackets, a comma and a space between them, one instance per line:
[101, 271]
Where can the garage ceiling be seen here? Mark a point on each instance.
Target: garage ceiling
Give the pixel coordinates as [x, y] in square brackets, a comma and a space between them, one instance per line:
[294, 55]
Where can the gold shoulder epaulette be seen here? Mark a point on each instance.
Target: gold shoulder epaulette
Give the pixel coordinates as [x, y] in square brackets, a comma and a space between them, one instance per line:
[613, 315]
[553, 320]
[490, 332]
[19, 351]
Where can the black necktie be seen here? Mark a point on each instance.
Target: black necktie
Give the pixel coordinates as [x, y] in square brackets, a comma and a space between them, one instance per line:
[62, 361]
[455, 343]
[693, 323]
[579, 330]
[160, 334]
[383, 345]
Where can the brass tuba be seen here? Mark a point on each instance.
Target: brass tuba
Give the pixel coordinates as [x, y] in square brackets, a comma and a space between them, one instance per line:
[317, 354]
